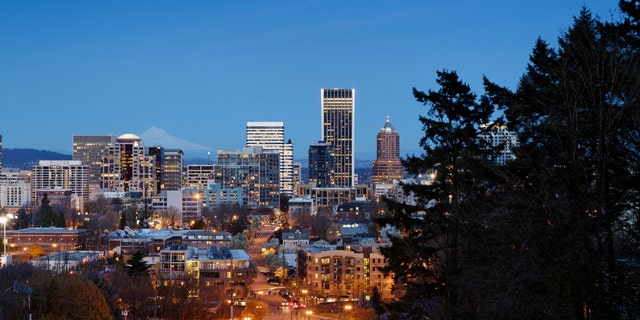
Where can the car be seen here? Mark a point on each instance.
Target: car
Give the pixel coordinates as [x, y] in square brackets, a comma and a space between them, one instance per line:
[273, 281]
[296, 304]
[285, 292]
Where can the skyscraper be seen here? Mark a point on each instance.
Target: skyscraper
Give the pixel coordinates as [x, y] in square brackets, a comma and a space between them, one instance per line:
[255, 170]
[321, 164]
[127, 168]
[270, 136]
[92, 150]
[338, 130]
[0, 151]
[172, 169]
[387, 167]
[157, 154]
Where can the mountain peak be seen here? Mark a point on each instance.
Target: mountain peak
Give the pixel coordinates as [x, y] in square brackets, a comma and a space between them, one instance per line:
[156, 136]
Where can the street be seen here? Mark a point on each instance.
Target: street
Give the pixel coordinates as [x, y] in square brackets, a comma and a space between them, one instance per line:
[278, 309]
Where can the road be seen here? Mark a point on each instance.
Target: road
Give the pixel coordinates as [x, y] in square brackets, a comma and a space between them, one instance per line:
[264, 291]
[271, 294]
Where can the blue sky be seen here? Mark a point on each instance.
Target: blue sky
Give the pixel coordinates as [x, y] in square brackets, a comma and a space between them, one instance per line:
[201, 69]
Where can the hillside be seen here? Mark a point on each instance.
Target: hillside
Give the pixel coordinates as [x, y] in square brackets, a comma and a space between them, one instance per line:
[26, 158]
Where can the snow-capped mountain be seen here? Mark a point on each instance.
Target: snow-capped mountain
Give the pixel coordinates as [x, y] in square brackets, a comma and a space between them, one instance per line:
[156, 136]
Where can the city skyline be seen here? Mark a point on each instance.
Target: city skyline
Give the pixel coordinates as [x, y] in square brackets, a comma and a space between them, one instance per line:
[202, 70]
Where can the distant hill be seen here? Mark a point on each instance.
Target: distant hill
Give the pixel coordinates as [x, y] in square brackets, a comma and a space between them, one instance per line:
[26, 158]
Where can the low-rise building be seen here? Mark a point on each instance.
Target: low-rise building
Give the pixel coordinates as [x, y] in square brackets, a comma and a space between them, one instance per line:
[66, 261]
[204, 239]
[219, 272]
[128, 241]
[51, 239]
[331, 270]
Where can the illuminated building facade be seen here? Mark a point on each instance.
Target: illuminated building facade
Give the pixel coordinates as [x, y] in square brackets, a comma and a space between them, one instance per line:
[321, 165]
[198, 176]
[338, 130]
[387, 168]
[127, 168]
[92, 150]
[255, 170]
[330, 270]
[70, 175]
[270, 136]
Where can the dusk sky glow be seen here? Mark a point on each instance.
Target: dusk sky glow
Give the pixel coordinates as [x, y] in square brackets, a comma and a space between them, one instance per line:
[201, 69]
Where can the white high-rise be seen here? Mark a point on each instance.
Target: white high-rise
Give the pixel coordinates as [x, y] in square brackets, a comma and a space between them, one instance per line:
[270, 136]
[338, 130]
[502, 140]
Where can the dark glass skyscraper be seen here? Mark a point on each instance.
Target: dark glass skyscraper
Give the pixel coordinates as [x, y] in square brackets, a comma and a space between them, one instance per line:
[321, 164]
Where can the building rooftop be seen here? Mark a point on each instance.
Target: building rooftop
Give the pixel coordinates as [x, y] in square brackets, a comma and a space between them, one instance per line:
[319, 248]
[48, 230]
[388, 127]
[69, 255]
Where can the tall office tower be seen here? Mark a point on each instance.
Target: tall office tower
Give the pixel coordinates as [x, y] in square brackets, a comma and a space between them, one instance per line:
[91, 150]
[61, 174]
[0, 151]
[270, 136]
[338, 130]
[172, 170]
[502, 140]
[157, 154]
[255, 170]
[127, 168]
[321, 164]
[297, 176]
[387, 167]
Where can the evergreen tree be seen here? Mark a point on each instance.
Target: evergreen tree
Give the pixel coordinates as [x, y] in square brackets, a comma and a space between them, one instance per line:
[123, 221]
[24, 218]
[60, 219]
[136, 266]
[376, 302]
[427, 259]
[553, 234]
[46, 217]
[577, 111]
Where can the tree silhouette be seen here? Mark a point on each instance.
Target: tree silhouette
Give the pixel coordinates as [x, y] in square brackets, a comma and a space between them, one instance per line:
[548, 235]
[46, 217]
[136, 266]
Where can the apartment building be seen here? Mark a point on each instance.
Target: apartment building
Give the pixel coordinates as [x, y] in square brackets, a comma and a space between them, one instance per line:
[219, 272]
[331, 270]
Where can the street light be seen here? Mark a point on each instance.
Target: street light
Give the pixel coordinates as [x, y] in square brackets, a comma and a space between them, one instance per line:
[4, 234]
[348, 309]
[308, 313]
[232, 302]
